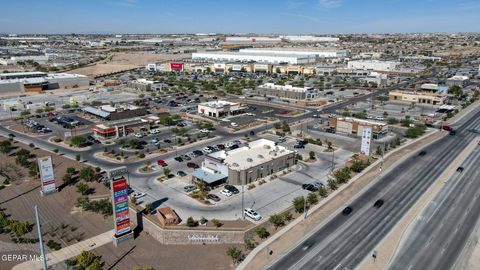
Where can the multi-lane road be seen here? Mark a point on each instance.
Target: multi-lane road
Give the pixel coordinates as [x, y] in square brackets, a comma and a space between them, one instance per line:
[441, 231]
[344, 241]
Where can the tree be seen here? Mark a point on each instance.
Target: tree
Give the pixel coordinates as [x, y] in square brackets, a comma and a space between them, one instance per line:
[166, 171]
[71, 170]
[77, 157]
[277, 220]
[191, 222]
[312, 198]
[262, 232]
[78, 141]
[299, 204]
[322, 192]
[6, 147]
[332, 184]
[134, 143]
[329, 145]
[342, 175]
[201, 185]
[148, 208]
[87, 174]
[455, 90]
[25, 113]
[392, 121]
[358, 166]
[133, 200]
[85, 258]
[83, 188]
[235, 253]
[67, 179]
[312, 155]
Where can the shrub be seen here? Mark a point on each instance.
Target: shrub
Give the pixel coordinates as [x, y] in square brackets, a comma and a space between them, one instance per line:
[277, 220]
[78, 141]
[299, 204]
[358, 166]
[77, 157]
[322, 192]
[148, 208]
[332, 184]
[249, 244]
[287, 216]
[262, 232]
[342, 175]
[6, 147]
[141, 155]
[87, 174]
[312, 155]
[83, 188]
[191, 222]
[312, 198]
[236, 254]
[217, 223]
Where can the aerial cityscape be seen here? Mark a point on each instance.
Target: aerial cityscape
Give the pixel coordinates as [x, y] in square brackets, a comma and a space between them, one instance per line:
[286, 134]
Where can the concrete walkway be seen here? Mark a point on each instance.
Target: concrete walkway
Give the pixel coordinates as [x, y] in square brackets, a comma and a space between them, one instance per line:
[69, 251]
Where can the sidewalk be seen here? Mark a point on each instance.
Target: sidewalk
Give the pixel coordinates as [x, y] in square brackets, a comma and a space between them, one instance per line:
[69, 251]
[281, 242]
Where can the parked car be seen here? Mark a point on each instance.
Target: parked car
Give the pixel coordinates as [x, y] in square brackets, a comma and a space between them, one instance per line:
[298, 146]
[309, 187]
[213, 197]
[179, 159]
[281, 139]
[162, 163]
[232, 189]
[233, 124]
[192, 165]
[204, 130]
[460, 169]
[138, 195]
[181, 173]
[189, 188]
[138, 135]
[252, 214]
[226, 192]
[318, 184]
[167, 141]
[347, 210]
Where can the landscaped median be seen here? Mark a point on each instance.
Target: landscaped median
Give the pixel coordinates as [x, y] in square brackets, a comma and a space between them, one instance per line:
[76, 143]
[281, 241]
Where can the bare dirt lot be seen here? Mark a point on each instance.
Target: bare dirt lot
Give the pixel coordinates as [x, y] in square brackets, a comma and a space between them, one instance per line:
[125, 61]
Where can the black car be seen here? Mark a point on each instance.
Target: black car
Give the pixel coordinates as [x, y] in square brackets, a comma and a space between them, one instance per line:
[299, 146]
[232, 189]
[378, 203]
[309, 187]
[167, 141]
[213, 197]
[235, 146]
[179, 159]
[181, 173]
[460, 169]
[453, 132]
[198, 152]
[422, 153]
[347, 210]
[252, 133]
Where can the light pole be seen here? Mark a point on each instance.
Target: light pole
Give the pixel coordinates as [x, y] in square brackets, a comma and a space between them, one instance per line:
[304, 208]
[243, 212]
[40, 240]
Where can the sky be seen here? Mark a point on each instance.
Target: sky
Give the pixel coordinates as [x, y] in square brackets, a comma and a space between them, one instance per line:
[238, 16]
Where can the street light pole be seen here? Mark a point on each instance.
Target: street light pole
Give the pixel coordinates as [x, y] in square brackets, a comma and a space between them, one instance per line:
[40, 240]
[243, 211]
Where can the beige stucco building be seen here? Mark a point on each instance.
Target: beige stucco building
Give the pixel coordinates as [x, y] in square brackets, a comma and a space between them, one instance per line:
[423, 97]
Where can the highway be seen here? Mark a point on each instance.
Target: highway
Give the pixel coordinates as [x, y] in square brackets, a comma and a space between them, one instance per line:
[344, 241]
[439, 235]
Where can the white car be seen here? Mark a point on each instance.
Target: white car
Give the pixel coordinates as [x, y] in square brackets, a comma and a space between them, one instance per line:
[249, 212]
[204, 130]
[138, 195]
[154, 140]
[138, 135]
[226, 192]
[282, 140]
[233, 124]
[155, 131]
[250, 114]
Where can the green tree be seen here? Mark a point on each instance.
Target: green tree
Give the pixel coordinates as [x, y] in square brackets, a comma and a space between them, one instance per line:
[6, 147]
[322, 192]
[312, 198]
[299, 204]
[87, 174]
[25, 113]
[148, 208]
[191, 222]
[83, 188]
[455, 90]
[235, 253]
[166, 171]
[262, 232]
[312, 155]
[77, 157]
[134, 143]
[85, 258]
[358, 166]
[78, 141]
[277, 220]
[392, 121]
[342, 175]
[71, 170]
[332, 184]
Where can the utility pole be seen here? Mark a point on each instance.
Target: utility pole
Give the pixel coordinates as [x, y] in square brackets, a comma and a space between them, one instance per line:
[333, 159]
[243, 211]
[40, 241]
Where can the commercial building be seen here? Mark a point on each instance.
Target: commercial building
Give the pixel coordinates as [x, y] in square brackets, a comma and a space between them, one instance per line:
[234, 39]
[309, 39]
[41, 59]
[354, 126]
[435, 88]
[287, 91]
[116, 112]
[459, 80]
[246, 164]
[14, 83]
[375, 65]
[254, 57]
[145, 85]
[294, 51]
[104, 132]
[220, 108]
[422, 97]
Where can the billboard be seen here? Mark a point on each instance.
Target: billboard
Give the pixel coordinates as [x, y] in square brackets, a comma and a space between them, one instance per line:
[366, 140]
[121, 216]
[237, 67]
[47, 177]
[176, 66]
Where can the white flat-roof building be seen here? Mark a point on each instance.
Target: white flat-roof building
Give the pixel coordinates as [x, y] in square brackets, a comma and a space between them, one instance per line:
[252, 39]
[254, 57]
[256, 160]
[293, 51]
[287, 91]
[459, 80]
[220, 108]
[375, 65]
[295, 38]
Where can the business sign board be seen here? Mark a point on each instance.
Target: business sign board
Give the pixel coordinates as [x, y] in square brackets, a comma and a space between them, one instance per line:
[219, 66]
[366, 140]
[121, 217]
[45, 166]
[176, 66]
[237, 67]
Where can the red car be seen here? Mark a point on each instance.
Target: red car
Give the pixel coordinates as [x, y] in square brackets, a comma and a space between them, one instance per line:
[162, 163]
[192, 165]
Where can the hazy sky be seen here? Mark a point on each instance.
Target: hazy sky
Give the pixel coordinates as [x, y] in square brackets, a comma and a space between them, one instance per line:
[239, 16]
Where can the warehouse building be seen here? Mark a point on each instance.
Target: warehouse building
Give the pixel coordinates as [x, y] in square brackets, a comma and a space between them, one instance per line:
[145, 85]
[309, 39]
[116, 112]
[293, 51]
[244, 165]
[220, 108]
[254, 57]
[287, 91]
[354, 126]
[422, 97]
[14, 83]
[375, 65]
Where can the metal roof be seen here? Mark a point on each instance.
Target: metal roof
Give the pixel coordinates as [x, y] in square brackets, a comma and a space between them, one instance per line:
[208, 177]
[96, 112]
